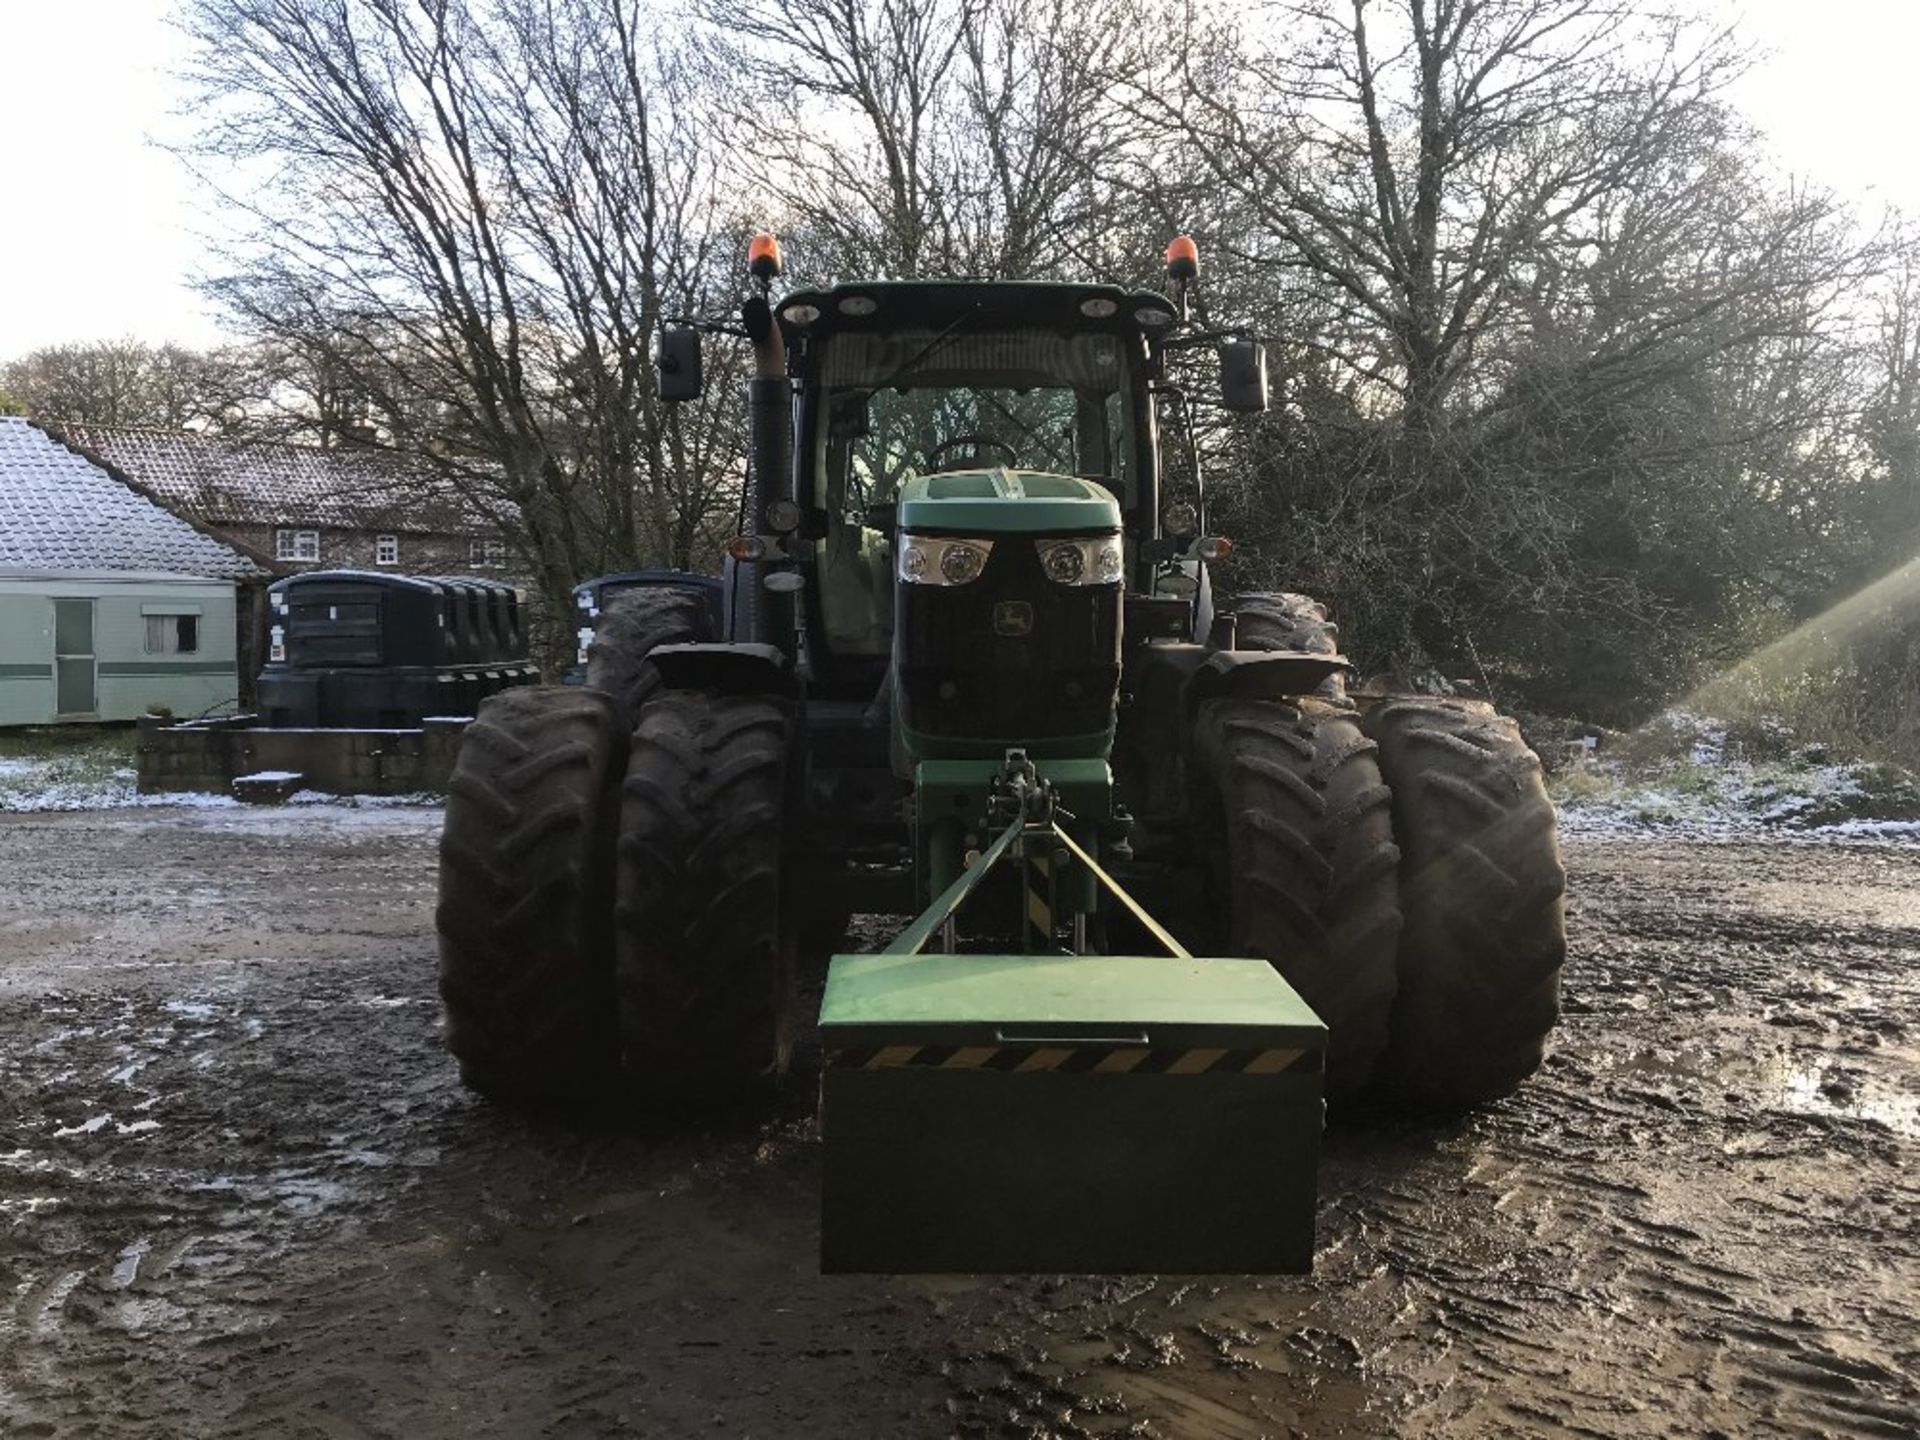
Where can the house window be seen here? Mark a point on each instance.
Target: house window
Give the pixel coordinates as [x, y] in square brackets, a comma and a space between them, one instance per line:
[173, 634]
[386, 550]
[486, 552]
[296, 544]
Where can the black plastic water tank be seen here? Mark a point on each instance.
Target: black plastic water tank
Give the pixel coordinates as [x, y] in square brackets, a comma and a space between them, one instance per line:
[369, 650]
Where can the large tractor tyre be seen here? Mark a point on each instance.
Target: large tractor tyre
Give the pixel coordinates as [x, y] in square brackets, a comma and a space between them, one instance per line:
[1281, 620]
[526, 895]
[704, 949]
[628, 631]
[1482, 885]
[1300, 842]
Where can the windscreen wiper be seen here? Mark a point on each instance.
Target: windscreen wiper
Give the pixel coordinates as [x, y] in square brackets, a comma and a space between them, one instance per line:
[927, 349]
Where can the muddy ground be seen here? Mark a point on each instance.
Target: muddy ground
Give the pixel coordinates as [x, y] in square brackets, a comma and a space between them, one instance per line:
[242, 1194]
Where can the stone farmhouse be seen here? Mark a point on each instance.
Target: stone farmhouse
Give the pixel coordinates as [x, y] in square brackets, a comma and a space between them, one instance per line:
[300, 507]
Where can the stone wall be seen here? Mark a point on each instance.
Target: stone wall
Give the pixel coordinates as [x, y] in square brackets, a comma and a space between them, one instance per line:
[209, 757]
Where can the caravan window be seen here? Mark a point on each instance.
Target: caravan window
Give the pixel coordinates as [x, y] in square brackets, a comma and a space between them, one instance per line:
[173, 634]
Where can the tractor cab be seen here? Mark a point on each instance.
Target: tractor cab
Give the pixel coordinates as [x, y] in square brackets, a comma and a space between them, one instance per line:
[992, 403]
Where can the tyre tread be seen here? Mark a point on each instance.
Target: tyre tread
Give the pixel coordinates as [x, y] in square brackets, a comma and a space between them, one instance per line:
[526, 896]
[1309, 865]
[1483, 888]
[701, 949]
[629, 629]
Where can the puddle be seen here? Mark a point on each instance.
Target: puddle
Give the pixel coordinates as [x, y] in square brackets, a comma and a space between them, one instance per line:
[128, 1268]
[1815, 1089]
[1820, 1085]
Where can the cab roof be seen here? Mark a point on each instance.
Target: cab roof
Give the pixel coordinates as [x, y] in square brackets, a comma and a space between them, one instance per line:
[881, 306]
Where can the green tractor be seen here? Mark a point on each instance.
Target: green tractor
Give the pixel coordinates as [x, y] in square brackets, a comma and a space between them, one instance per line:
[966, 664]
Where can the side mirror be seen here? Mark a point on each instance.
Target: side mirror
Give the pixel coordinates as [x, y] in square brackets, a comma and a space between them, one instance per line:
[677, 363]
[1243, 376]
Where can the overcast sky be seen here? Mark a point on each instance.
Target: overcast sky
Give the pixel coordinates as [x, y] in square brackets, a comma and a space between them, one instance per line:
[99, 228]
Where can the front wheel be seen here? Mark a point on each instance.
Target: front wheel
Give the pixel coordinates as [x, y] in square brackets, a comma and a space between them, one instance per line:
[1283, 620]
[630, 629]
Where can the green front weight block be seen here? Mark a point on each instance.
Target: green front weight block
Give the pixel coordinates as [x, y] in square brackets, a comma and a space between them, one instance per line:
[1057, 1114]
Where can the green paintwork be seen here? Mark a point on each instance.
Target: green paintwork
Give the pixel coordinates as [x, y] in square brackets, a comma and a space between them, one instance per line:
[111, 668]
[1001, 501]
[108, 673]
[975, 751]
[907, 995]
[1030, 1162]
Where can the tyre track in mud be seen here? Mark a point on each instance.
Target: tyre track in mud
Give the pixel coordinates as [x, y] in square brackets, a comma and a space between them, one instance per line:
[241, 1193]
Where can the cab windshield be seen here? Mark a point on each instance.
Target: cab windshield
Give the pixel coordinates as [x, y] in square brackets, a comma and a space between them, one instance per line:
[891, 407]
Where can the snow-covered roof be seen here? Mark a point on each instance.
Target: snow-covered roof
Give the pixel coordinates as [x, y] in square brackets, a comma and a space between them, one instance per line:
[62, 514]
[229, 480]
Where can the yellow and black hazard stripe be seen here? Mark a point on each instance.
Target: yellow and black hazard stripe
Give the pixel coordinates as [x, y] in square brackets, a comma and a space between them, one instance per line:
[1076, 1060]
[1040, 896]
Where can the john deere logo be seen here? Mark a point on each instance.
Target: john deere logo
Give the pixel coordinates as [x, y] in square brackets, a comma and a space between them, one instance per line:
[1013, 617]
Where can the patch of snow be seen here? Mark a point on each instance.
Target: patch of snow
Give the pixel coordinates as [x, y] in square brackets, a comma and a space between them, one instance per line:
[1873, 829]
[44, 786]
[414, 801]
[72, 795]
[85, 1127]
[1711, 790]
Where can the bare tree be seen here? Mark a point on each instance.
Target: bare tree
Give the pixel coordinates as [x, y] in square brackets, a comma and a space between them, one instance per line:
[904, 138]
[1890, 419]
[128, 382]
[1410, 158]
[474, 216]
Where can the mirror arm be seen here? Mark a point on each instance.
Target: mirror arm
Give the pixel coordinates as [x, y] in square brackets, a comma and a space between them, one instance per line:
[1200, 339]
[1180, 398]
[706, 327]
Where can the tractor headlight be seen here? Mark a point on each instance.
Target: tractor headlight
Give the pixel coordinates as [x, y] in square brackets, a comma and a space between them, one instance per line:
[1094, 561]
[937, 560]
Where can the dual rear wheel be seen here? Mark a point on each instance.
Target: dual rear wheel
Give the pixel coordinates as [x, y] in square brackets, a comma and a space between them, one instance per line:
[611, 907]
[1397, 862]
